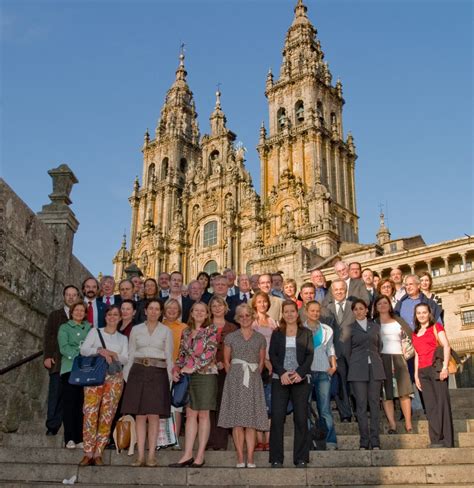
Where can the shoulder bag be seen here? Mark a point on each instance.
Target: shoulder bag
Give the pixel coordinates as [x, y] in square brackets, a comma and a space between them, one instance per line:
[439, 356]
[180, 391]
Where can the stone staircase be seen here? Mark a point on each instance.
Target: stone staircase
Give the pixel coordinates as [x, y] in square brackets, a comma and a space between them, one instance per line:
[30, 459]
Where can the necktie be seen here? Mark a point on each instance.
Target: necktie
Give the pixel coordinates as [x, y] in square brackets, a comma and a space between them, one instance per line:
[340, 312]
[90, 313]
[244, 300]
[107, 300]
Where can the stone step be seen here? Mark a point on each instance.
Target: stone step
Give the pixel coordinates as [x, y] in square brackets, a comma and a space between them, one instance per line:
[208, 476]
[397, 457]
[345, 442]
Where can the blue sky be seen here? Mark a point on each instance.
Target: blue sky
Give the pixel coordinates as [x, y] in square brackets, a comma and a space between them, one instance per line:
[82, 80]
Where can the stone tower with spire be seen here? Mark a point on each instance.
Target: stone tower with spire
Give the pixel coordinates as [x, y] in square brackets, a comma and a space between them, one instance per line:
[307, 167]
[197, 208]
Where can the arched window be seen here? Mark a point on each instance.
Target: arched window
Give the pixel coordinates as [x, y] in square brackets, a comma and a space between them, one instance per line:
[210, 267]
[164, 168]
[281, 118]
[183, 165]
[320, 111]
[299, 111]
[214, 156]
[210, 234]
[151, 174]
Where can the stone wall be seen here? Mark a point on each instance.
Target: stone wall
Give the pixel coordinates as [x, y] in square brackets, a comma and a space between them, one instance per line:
[36, 262]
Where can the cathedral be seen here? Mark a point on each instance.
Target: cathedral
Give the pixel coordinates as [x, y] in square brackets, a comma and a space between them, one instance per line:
[197, 209]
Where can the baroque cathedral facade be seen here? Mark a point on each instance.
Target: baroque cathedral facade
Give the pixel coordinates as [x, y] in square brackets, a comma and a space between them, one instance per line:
[197, 209]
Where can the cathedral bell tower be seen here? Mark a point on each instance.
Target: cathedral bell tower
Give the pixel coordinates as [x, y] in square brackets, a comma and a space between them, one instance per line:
[307, 168]
[157, 237]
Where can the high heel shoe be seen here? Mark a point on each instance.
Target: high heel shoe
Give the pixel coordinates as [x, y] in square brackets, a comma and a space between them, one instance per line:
[188, 462]
[138, 463]
[197, 465]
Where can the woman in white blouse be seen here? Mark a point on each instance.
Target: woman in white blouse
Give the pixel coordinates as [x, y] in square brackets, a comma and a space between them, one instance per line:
[148, 375]
[100, 402]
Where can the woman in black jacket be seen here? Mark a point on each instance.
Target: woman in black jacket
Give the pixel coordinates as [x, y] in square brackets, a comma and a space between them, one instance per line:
[291, 354]
[362, 350]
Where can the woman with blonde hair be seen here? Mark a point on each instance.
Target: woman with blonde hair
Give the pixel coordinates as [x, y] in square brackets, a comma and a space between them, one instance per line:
[243, 401]
[197, 357]
[290, 288]
[265, 325]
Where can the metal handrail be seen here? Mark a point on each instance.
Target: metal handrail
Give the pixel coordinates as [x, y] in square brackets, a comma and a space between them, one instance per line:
[20, 362]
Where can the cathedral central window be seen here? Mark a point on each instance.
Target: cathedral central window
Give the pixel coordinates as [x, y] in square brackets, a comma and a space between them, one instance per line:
[210, 234]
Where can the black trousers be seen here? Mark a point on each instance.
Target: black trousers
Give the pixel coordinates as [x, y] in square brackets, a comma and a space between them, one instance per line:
[368, 392]
[54, 417]
[73, 400]
[438, 407]
[298, 393]
[343, 402]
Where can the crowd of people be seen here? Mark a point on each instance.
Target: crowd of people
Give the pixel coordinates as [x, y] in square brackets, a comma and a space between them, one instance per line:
[255, 348]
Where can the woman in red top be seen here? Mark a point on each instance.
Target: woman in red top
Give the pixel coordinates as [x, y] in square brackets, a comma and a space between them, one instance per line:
[431, 376]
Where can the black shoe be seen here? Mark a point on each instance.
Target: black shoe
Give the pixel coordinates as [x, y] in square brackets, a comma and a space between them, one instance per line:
[301, 464]
[188, 462]
[51, 432]
[276, 464]
[391, 431]
[197, 465]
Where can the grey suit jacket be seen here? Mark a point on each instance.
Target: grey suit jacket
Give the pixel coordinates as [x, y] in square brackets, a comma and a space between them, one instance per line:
[341, 330]
[356, 289]
[359, 346]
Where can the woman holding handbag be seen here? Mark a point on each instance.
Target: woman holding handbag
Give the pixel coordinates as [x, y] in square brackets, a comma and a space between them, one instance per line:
[70, 336]
[100, 402]
[291, 354]
[393, 328]
[431, 375]
[197, 357]
[148, 373]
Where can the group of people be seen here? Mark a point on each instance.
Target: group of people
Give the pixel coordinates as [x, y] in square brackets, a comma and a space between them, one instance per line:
[253, 349]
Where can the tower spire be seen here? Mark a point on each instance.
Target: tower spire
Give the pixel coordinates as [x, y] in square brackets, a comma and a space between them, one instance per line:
[383, 234]
[218, 118]
[300, 13]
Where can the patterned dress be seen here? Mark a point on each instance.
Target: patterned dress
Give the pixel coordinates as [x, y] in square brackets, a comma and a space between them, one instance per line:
[244, 406]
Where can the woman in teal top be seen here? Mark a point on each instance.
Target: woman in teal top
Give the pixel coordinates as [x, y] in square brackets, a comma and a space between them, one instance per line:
[70, 337]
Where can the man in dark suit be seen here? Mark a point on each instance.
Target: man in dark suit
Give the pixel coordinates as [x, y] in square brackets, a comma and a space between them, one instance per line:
[220, 285]
[95, 308]
[355, 286]
[337, 313]
[232, 288]
[107, 287]
[244, 295]
[176, 292]
[368, 279]
[164, 285]
[52, 359]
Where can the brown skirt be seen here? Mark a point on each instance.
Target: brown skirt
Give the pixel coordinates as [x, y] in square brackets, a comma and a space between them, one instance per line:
[147, 391]
[401, 374]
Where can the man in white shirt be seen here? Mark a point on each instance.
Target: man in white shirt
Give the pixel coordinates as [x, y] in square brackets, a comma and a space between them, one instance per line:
[232, 288]
[107, 287]
[164, 285]
[265, 285]
[396, 275]
[355, 286]
[138, 287]
[176, 292]
[245, 293]
[368, 279]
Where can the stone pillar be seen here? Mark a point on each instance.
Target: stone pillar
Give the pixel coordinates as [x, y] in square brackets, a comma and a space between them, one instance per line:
[412, 269]
[428, 264]
[59, 217]
[463, 257]
[446, 264]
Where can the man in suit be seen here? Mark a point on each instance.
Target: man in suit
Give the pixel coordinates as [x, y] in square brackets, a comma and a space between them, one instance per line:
[254, 282]
[355, 270]
[307, 294]
[232, 289]
[137, 287]
[220, 286]
[277, 286]
[368, 279]
[176, 292]
[319, 282]
[195, 291]
[337, 313]
[265, 285]
[245, 293]
[52, 359]
[355, 286]
[95, 308]
[107, 287]
[126, 290]
[396, 275]
[164, 285]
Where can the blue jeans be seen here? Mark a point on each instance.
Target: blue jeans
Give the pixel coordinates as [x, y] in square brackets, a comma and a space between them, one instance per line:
[322, 391]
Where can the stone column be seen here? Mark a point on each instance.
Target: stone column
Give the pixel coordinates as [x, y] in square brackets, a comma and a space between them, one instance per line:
[412, 269]
[463, 257]
[428, 264]
[59, 217]
[446, 264]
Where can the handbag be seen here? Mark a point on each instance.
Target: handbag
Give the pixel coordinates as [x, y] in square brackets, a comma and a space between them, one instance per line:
[407, 346]
[180, 391]
[124, 434]
[88, 371]
[115, 366]
[439, 357]
[167, 432]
